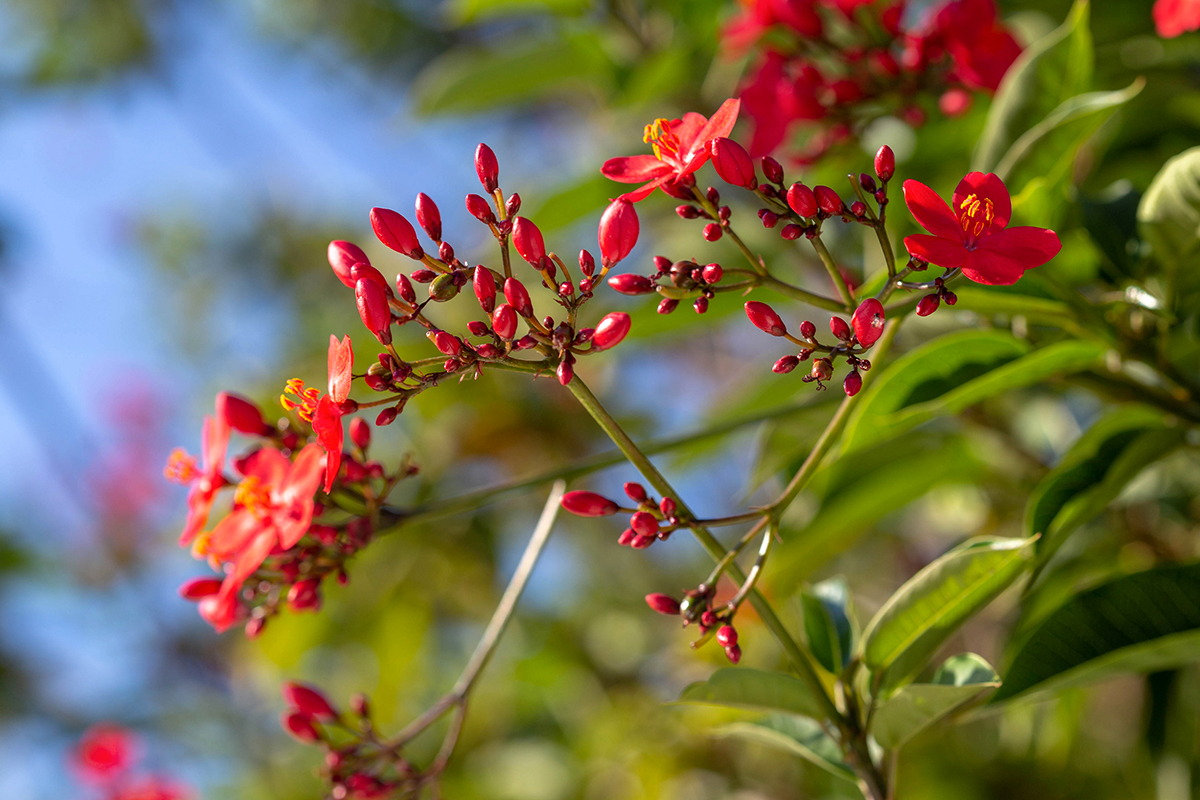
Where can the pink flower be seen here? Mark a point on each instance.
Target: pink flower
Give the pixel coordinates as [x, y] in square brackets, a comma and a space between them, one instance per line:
[681, 147]
[974, 235]
[1174, 17]
[105, 752]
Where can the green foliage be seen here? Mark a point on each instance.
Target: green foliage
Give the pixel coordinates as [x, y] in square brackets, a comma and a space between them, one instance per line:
[924, 612]
[798, 736]
[754, 689]
[828, 624]
[1169, 219]
[962, 680]
[1143, 622]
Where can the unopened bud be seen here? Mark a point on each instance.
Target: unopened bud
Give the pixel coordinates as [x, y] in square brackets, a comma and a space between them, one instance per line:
[807, 329]
[634, 491]
[396, 232]
[360, 433]
[305, 595]
[852, 384]
[663, 604]
[667, 507]
[527, 238]
[769, 218]
[644, 523]
[626, 538]
[712, 232]
[587, 264]
[504, 321]
[618, 232]
[588, 504]
[828, 200]
[404, 288]
[343, 256]
[765, 319]
[839, 328]
[565, 371]
[868, 321]
[885, 163]
[512, 205]
[867, 182]
[479, 208]
[423, 275]
[611, 330]
[198, 588]
[240, 414]
[667, 305]
[387, 416]
[727, 636]
[712, 273]
[631, 284]
[487, 168]
[858, 208]
[700, 304]
[485, 288]
[307, 699]
[785, 365]
[927, 305]
[791, 232]
[733, 163]
[687, 211]
[300, 726]
[526, 342]
[733, 653]
[373, 309]
[518, 297]
[447, 343]
[429, 217]
[801, 199]
[772, 170]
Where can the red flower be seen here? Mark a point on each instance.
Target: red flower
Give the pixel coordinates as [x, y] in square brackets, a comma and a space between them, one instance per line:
[780, 92]
[1174, 17]
[105, 752]
[758, 16]
[207, 480]
[327, 425]
[974, 235]
[681, 147]
[153, 789]
[970, 31]
[273, 508]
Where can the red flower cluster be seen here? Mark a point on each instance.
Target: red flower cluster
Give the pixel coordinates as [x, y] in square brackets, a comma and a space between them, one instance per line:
[806, 77]
[1175, 17]
[865, 328]
[105, 757]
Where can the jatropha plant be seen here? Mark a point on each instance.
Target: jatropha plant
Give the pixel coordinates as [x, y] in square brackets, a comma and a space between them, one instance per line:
[306, 498]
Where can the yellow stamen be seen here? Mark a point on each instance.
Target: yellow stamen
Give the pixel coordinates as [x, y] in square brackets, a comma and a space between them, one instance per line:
[181, 468]
[658, 134]
[305, 404]
[201, 544]
[976, 214]
[253, 496]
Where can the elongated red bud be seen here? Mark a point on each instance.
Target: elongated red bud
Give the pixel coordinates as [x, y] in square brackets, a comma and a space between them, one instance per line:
[529, 243]
[300, 726]
[631, 284]
[198, 588]
[240, 414]
[618, 232]
[360, 433]
[801, 199]
[772, 170]
[512, 205]
[829, 201]
[589, 504]
[518, 297]
[765, 318]
[587, 264]
[852, 384]
[565, 371]
[429, 217]
[365, 272]
[667, 507]
[404, 288]
[928, 304]
[447, 343]
[727, 636]
[485, 288]
[373, 309]
[868, 321]
[305, 595]
[785, 365]
[504, 322]
[487, 168]
[635, 492]
[733, 653]
[611, 330]
[663, 604]
[885, 163]
[733, 163]
[396, 232]
[644, 523]
[479, 208]
[307, 699]
[387, 416]
[839, 328]
[343, 256]
[807, 329]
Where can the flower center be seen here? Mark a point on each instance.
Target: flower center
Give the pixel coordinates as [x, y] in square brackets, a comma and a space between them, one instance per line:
[253, 496]
[976, 214]
[181, 468]
[658, 134]
[305, 404]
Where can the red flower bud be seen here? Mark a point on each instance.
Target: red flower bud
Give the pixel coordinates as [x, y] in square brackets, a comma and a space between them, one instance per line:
[700, 305]
[667, 305]
[305, 595]
[868, 321]
[240, 414]
[618, 231]
[713, 273]
[360, 433]
[635, 491]
[588, 504]
[374, 310]
[950, 297]
[404, 288]
[504, 321]
[429, 217]
[611, 330]
[447, 343]
[807, 329]
[955, 102]
[852, 384]
[518, 297]
[565, 371]
[822, 369]
[485, 288]
[631, 284]
[712, 232]
[765, 318]
[487, 168]
[644, 523]
[828, 200]
[858, 208]
[343, 256]
[640, 542]
[727, 636]
[387, 416]
[785, 365]
[587, 264]
[423, 275]
[769, 218]
[526, 342]
[663, 604]
[307, 699]
[396, 232]
[199, 588]
[885, 163]
[733, 653]
[300, 726]
[529, 243]
[772, 170]
[626, 537]
[512, 205]
[667, 507]
[365, 272]
[839, 328]
[801, 199]
[927, 305]
[866, 182]
[733, 163]
[479, 208]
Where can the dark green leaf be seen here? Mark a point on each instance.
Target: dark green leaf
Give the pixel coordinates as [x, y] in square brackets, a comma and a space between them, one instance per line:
[827, 623]
[802, 737]
[742, 687]
[934, 603]
[962, 680]
[1111, 221]
[1138, 623]
[1169, 218]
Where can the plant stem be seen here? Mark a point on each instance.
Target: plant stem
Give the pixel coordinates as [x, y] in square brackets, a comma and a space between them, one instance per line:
[801, 660]
[835, 274]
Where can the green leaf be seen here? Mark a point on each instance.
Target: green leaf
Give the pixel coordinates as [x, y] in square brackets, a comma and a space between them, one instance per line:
[930, 607]
[962, 680]
[954, 372]
[1111, 220]
[464, 12]
[827, 623]
[572, 202]
[1169, 219]
[469, 81]
[798, 736]
[1093, 472]
[1052, 69]
[1139, 623]
[742, 687]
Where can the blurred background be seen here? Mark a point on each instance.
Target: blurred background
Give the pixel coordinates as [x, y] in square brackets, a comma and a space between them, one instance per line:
[171, 174]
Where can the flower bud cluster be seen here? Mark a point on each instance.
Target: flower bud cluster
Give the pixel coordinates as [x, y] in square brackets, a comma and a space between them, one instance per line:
[698, 607]
[650, 520]
[674, 282]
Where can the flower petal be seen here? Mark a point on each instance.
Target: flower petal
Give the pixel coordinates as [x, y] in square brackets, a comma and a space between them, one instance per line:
[931, 211]
[252, 557]
[214, 440]
[1032, 246]
[642, 192]
[634, 169]
[233, 533]
[936, 250]
[327, 425]
[985, 187]
[341, 364]
[992, 269]
[688, 129]
[268, 465]
[720, 123]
